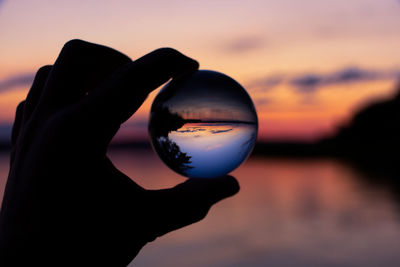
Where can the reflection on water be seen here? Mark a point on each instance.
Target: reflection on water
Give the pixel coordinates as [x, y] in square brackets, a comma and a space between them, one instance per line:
[207, 149]
[288, 213]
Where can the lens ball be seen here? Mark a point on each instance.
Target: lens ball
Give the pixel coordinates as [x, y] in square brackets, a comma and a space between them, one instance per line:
[203, 124]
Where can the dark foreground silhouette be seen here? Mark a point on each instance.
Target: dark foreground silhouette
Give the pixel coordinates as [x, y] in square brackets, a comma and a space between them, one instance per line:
[373, 134]
[65, 204]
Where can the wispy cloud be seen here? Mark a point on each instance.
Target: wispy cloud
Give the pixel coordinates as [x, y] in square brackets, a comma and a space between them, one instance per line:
[15, 81]
[265, 83]
[244, 44]
[262, 102]
[192, 130]
[310, 82]
[313, 81]
[220, 131]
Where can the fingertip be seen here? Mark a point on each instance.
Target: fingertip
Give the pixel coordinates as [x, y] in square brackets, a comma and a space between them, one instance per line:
[173, 54]
[226, 186]
[213, 189]
[195, 64]
[189, 202]
[232, 183]
[175, 58]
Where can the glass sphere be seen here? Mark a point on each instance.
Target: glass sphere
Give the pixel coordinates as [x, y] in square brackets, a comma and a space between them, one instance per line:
[203, 124]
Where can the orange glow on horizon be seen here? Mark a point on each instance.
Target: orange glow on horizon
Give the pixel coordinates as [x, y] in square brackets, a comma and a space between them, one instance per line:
[250, 43]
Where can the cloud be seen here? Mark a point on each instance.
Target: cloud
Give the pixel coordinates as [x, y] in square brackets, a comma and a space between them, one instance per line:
[192, 130]
[307, 83]
[262, 101]
[310, 82]
[265, 83]
[18, 80]
[220, 131]
[244, 44]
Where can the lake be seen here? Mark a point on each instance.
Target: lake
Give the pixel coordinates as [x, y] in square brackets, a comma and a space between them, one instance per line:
[289, 212]
[206, 149]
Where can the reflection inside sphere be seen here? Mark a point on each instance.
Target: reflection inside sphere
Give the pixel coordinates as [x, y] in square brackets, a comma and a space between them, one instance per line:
[203, 124]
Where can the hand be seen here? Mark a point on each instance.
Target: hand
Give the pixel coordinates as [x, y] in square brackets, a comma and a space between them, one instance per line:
[65, 203]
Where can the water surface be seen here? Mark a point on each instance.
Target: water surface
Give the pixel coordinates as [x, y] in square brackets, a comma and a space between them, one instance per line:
[288, 213]
[210, 149]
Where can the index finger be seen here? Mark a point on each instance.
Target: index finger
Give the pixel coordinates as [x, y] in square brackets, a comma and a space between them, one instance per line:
[123, 93]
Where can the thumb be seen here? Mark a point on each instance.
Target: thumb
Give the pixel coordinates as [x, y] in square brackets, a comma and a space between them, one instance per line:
[188, 202]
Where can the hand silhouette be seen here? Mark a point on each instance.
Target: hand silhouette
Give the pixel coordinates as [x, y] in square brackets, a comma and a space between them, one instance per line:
[65, 203]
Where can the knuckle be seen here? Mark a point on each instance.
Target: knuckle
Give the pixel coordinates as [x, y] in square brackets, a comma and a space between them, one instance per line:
[168, 52]
[74, 42]
[74, 45]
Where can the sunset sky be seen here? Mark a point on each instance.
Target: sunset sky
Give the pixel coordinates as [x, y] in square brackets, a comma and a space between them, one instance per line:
[308, 65]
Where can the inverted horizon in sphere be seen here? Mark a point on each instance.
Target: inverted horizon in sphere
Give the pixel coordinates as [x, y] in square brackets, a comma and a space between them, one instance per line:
[203, 125]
